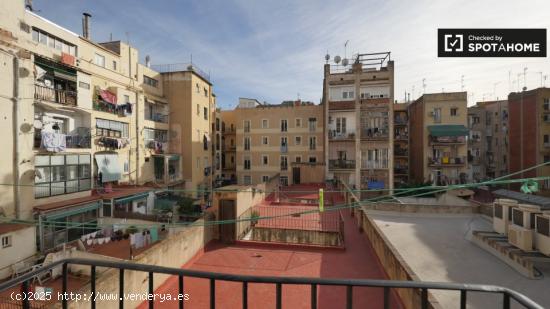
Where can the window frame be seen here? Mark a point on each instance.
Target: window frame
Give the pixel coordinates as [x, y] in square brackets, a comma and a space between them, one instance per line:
[79, 178]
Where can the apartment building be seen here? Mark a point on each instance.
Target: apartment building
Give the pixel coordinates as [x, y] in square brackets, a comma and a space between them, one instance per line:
[192, 107]
[529, 134]
[358, 103]
[401, 144]
[488, 140]
[93, 135]
[229, 146]
[284, 139]
[438, 128]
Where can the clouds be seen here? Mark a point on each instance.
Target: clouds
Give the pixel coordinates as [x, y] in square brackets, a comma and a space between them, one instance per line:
[273, 50]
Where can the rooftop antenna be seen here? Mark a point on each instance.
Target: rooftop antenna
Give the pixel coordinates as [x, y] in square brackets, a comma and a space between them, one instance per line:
[327, 57]
[337, 59]
[462, 83]
[346, 49]
[495, 88]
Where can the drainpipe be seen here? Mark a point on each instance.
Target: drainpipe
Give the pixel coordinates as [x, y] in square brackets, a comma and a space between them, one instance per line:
[16, 125]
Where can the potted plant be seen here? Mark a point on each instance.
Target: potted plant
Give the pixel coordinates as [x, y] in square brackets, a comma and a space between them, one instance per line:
[131, 229]
[254, 215]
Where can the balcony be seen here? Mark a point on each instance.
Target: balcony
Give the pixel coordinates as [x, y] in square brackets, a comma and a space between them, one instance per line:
[401, 170]
[157, 146]
[339, 136]
[341, 105]
[447, 161]
[157, 117]
[341, 164]
[447, 140]
[48, 94]
[401, 137]
[284, 149]
[375, 133]
[400, 152]
[400, 121]
[72, 141]
[374, 164]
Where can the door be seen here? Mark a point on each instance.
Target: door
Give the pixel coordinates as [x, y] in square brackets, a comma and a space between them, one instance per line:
[296, 175]
[227, 212]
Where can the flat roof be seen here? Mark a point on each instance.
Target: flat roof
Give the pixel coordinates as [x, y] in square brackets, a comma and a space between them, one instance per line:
[538, 200]
[437, 247]
[12, 227]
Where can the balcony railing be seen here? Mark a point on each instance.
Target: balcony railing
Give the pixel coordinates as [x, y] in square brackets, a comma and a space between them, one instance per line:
[157, 117]
[374, 133]
[341, 164]
[400, 152]
[372, 164]
[284, 149]
[443, 161]
[333, 135]
[447, 139]
[71, 141]
[400, 121]
[401, 170]
[421, 289]
[65, 97]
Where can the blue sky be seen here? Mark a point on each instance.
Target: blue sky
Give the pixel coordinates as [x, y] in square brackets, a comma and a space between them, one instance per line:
[274, 50]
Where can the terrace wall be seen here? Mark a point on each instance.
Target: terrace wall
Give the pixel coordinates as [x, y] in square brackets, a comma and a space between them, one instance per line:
[174, 251]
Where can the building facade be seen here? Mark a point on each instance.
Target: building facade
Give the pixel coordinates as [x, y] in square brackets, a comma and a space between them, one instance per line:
[401, 144]
[529, 134]
[358, 103]
[438, 128]
[285, 139]
[488, 140]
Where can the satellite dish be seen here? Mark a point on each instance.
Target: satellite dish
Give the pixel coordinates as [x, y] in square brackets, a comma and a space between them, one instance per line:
[337, 59]
[327, 57]
[345, 61]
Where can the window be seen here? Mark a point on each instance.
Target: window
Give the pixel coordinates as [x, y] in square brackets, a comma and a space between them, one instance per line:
[198, 88]
[298, 122]
[114, 65]
[546, 104]
[150, 81]
[246, 143]
[312, 159]
[454, 111]
[6, 241]
[205, 113]
[284, 125]
[198, 109]
[298, 159]
[265, 159]
[61, 174]
[151, 135]
[198, 161]
[246, 163]
[283, 180]
[247, 180]
[265, 124]
[496, 127]
[53, 42]
[284, 142]
[437, 115]
[284, 163]
[546, 138]
[297, 140]
[99, 60]
[374, 158]
[247, 126]
[312, 142]
[265, 140]
[348, 95]
[341, 125]
[265, 178]
[312, 124]
[205, 92]
[111, 128]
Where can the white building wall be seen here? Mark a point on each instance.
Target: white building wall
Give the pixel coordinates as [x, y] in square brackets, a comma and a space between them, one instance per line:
[22, 247]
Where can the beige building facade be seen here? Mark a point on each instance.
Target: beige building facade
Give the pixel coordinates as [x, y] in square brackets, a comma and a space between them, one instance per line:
[438, 127]
[277, 139]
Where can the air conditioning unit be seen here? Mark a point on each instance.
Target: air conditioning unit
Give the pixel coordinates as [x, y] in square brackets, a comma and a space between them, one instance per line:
[542, 235]
[502, 214]
[520, 237]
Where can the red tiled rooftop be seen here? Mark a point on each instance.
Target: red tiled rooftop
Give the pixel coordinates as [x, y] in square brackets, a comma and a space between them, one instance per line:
[357, 261]
[66, 203]
[11, 227]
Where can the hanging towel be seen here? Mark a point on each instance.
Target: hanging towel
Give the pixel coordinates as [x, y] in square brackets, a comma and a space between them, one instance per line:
[154, 234]
[52, 141]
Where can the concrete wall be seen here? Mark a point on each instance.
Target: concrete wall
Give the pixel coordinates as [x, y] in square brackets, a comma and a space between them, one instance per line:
[23, 246]
[174, 251]
[303, 237]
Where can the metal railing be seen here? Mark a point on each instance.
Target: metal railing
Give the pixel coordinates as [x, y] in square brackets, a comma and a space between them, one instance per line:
[65, 97]
[343, 164]
[71, 141]
[24, 281]
[446, 161]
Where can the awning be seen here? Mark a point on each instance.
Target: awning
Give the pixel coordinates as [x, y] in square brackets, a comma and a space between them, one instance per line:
[72, 211]
[108, 166]
[65, 76]
[107, 96]
[131, 198]
[448, 130]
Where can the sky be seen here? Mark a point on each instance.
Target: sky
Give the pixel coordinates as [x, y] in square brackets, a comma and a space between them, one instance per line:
[274, 50]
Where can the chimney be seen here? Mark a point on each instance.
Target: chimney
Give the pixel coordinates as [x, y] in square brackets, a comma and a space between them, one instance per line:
[86, 25]
[148, 61]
